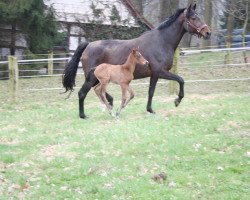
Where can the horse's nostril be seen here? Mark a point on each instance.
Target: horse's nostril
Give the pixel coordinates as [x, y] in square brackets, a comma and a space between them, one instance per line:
[208, 33]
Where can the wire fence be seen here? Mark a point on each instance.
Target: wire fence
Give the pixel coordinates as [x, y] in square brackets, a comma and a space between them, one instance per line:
[189, 59]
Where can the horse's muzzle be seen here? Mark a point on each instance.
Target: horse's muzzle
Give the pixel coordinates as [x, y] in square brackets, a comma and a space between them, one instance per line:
[207, 35]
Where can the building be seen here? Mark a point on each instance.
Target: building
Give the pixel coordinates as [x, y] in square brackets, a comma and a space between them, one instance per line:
[85, 20]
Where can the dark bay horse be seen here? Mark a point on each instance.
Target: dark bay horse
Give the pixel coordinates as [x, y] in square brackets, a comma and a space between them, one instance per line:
[157, 46]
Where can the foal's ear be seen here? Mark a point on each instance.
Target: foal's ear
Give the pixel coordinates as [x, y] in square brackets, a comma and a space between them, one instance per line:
[134, 50]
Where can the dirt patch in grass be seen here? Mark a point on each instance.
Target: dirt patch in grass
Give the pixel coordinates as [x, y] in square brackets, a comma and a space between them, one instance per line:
[8, 141]
[236, 125]
[52, 151]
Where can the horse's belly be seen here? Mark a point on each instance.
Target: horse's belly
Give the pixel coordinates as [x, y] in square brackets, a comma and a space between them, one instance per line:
[142, 72]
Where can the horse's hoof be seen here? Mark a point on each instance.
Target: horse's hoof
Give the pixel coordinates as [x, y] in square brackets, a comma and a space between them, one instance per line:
[177, 102]
[83, 116]
[150, 111]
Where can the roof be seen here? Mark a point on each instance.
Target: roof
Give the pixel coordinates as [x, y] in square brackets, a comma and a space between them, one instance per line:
[134, 12]
[108, 12]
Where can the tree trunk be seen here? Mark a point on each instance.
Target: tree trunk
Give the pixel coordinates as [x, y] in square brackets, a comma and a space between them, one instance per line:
[167, 8]
[208, 12]
[230, 23]
[244, 33]
[230, 27]
[13, 39]
[186, 39]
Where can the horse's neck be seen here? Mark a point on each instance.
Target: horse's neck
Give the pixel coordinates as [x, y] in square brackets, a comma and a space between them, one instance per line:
[172, 35]
[130, 64]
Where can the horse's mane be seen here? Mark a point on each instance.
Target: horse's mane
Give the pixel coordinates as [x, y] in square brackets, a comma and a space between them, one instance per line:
[171, 19]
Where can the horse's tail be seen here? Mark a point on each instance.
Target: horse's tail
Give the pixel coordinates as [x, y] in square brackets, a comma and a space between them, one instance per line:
[70, 70]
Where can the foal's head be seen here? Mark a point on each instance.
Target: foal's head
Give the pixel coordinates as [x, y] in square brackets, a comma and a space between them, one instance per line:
[193, 23]
[139, 59]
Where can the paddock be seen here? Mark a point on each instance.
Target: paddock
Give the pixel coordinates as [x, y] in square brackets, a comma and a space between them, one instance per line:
[47, 151]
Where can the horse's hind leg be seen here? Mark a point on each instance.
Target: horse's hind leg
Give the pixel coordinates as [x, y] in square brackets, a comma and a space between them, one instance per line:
[83, 93]
[110, 99]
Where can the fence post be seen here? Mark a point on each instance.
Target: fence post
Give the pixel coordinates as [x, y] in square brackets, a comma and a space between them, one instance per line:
[50, 63]
[13, 77]
[173, 85]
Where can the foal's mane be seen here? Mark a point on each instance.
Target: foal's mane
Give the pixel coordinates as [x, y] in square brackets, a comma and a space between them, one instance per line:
[171, 19]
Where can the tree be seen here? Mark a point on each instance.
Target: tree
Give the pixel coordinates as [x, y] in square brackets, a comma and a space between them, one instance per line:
[167, 8]
[208, 12]
[244, 31]
[36, 21]
[186, 39]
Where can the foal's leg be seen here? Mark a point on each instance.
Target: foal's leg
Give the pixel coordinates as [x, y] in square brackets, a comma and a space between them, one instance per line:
[84, 91]
[170, 76]
[103, 97]
[97, 90]
[132, 95]
[124, 92]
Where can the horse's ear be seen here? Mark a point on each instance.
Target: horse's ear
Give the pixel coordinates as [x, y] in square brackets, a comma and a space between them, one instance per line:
[194, 6]
[133, 50]
[189, 7]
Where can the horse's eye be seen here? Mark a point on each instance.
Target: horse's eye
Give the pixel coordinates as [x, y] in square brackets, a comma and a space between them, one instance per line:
[193, 18]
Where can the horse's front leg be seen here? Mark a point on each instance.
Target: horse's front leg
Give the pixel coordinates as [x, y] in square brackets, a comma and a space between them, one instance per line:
[170, 76]
[151, 90]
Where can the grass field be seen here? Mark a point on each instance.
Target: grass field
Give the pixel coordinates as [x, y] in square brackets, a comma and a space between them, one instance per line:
[47, 152]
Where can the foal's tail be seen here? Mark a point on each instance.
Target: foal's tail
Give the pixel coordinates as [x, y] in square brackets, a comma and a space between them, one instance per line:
[69, 74]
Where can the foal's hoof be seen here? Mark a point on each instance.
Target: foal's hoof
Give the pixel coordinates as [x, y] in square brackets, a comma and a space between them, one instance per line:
[150, 110]
[117, 113]
[177, 102]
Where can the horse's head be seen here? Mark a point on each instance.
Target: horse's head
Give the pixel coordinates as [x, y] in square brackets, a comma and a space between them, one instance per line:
[193, 23]
[139, 59]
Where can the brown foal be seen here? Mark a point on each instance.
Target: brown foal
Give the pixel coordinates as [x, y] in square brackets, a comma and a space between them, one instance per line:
[118, 74]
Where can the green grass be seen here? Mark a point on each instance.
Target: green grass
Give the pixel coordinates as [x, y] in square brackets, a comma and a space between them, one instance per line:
[47, 152]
